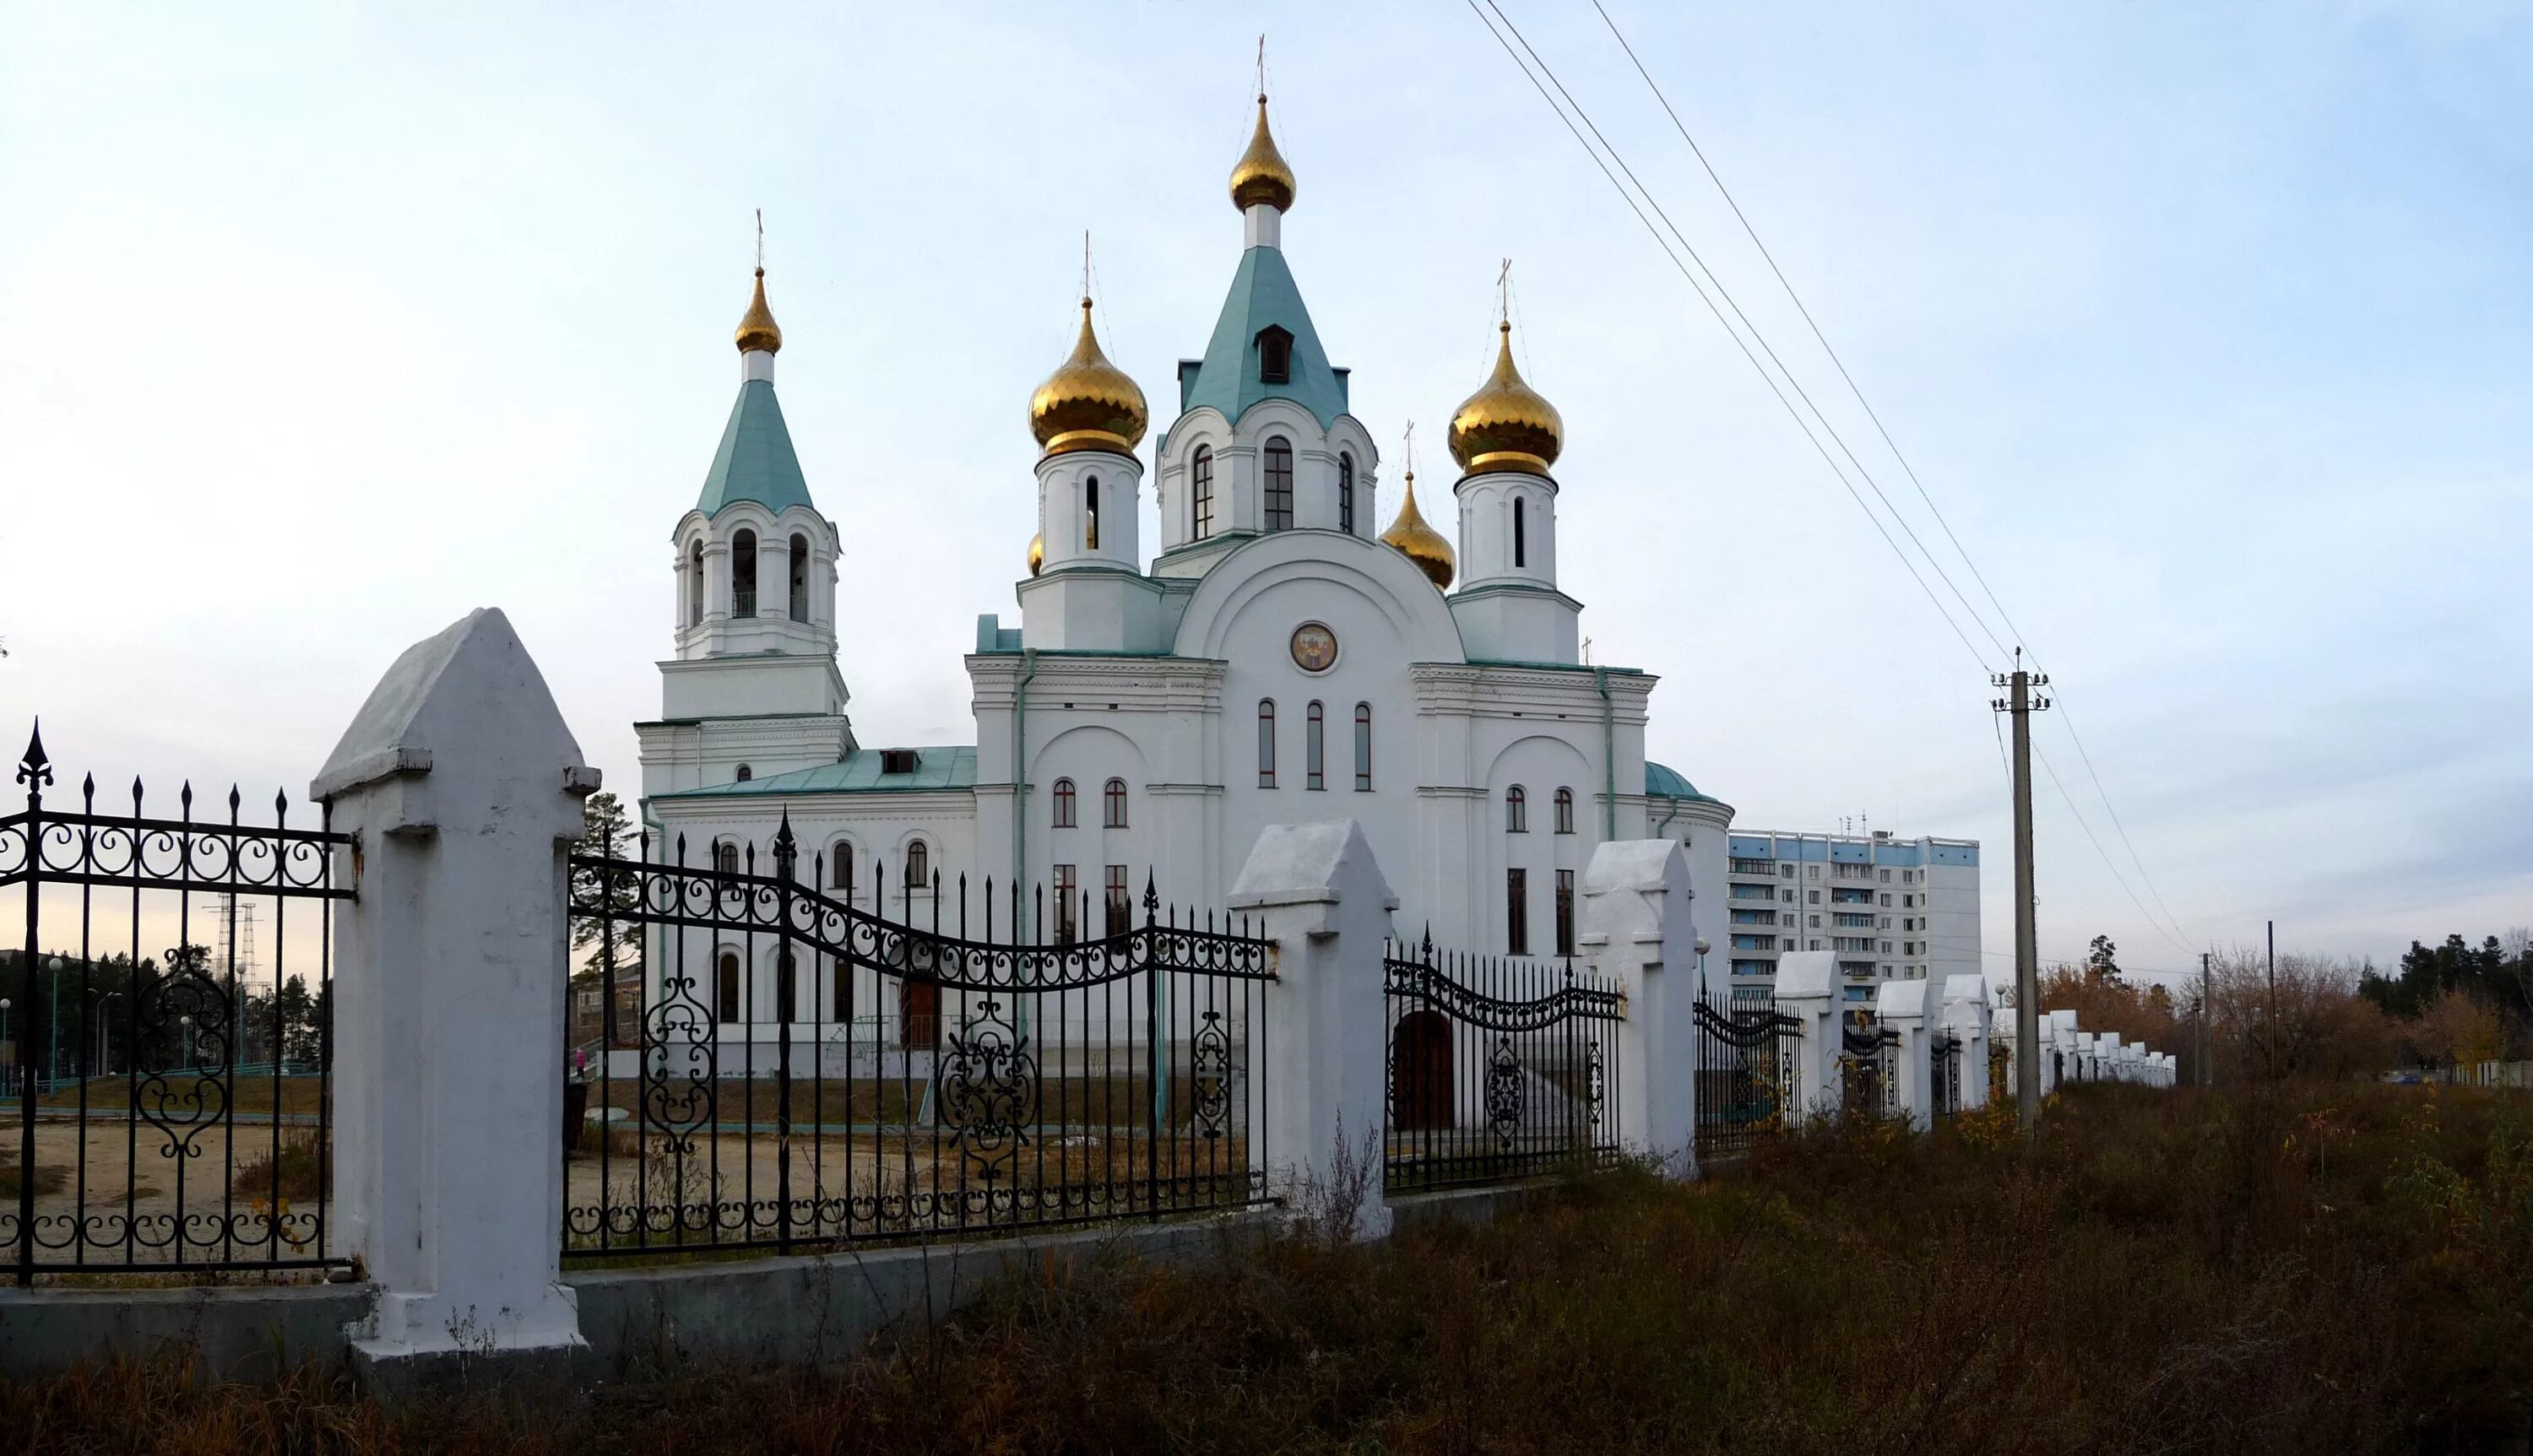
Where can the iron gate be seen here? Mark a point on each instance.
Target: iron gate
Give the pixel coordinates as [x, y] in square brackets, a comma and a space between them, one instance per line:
[1746, 1083]
[1498, 1068]
[803, 1071]
[1867, 1085]
[1944, 1066]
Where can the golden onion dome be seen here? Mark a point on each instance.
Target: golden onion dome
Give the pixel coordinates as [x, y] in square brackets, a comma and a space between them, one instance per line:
[758, 328]
[1087, 403]
[1261, 175]
[1037, 553]
[1507, 424]
[1421, 543]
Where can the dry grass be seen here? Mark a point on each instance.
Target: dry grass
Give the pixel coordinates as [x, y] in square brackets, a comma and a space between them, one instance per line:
[2320, 1269]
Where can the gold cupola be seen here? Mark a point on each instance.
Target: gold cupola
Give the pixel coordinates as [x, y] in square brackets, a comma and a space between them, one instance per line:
[1419, 542]
[1087, 403]
[758, 328]
[1261, 175]
[1507, 424]
[1037, 553]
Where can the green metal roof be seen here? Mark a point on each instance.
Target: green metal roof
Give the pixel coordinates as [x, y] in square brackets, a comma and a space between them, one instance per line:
[1262, 292]
[936, 770]
[1665, 782]
[755, 461]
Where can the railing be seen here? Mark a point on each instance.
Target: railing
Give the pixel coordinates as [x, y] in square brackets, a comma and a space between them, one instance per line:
[1867, 1089]
[172, 1101]
[809, 1074]
[1944, 1067]
[1745, 1075]
[1498, 1068]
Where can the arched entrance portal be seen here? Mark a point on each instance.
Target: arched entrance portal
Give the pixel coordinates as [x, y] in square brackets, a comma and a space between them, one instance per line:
[1420, 1071]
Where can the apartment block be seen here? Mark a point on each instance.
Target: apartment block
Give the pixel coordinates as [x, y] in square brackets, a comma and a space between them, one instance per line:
[1889, 908]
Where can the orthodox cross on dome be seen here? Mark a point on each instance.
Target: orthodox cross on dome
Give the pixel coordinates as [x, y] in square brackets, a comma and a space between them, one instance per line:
[760, 239]
[1262, 65]
[1504, 292]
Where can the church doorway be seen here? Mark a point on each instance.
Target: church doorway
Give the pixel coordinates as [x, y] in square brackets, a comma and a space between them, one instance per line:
[1420, 1071]
[918, 1005]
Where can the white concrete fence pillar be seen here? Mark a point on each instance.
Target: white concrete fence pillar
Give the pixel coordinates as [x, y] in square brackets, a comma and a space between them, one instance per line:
[462, 791]
[1635, 931]
[1901, 1006]
[1967, 1018]
[1808, 989]
[1319, 895]
[2062, 1035]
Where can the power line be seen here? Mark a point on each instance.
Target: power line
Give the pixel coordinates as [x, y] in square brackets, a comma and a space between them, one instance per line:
[1892, 445]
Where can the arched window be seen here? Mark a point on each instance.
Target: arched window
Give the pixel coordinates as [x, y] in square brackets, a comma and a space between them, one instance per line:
[799, 563]
[1279, 484]
[1517, 810]
[726, 856]
[1564, 811]
[743, 574]
[1315, 749]
[726, 986]
[1345, 492]
[918, 866]
[1090, 513]
[1200, 472]
[840, 869]
[696, 585]
[746, 773]
[1519, 549]
[1363, 747]
[1266, 742]
[1114, 799]
[1063, 803]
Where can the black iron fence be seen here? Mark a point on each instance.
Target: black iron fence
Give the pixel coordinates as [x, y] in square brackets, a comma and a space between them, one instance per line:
[167, 1053]
[1868, 1084]
[813, 1066]
[1745, 1075]
[1499, 1068]
[1944, 1066]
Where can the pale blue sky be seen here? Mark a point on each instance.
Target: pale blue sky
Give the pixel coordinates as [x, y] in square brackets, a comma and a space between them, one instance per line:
[2206, 326]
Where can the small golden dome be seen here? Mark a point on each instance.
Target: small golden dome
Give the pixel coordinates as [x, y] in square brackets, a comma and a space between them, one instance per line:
[1037, 553]
[1260, 176]
[1421, 543]
[1507, 424]
[1087, 403]
[757, 330]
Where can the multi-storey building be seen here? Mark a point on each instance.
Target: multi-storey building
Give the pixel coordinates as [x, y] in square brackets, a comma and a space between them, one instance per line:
[1888, 907]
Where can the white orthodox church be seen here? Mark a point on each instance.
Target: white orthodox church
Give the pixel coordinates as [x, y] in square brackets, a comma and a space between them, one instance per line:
[1274, 659]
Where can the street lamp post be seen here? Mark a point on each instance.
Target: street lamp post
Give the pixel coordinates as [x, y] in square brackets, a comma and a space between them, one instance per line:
[102, 1025]
[4, 1028]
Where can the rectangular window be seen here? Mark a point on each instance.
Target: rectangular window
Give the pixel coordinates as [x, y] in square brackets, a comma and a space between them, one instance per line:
[1121, 902]
[1279, 485]
[1566, 912]
[1201, 473]
[1750, 866]
[1315, 749]
[1068, 920]
[1266, 742]
[1886, 877]
[1363, 747]
[1518, 912]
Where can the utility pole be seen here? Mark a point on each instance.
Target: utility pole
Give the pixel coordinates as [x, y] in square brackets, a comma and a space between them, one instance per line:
[2020, 702]
[2273, 1037]
[2207, 1024]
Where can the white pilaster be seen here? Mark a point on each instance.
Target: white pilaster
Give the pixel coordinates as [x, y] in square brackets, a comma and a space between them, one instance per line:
[1902, 1007]
[1809, 990]
[1967, 1017]
[1635, 929]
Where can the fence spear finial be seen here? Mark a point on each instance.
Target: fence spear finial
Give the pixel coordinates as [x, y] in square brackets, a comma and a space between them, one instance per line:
[34, 769]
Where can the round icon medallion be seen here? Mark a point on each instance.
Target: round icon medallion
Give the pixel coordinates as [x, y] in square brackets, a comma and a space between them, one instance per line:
[1315, 647]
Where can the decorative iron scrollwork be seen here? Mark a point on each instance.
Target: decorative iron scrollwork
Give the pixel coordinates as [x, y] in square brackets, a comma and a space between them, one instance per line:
[1210, 1065]
[988, 1092]
[1505, 1091]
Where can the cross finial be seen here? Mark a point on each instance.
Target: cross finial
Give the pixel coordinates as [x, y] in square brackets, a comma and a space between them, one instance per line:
[1504, 292]
[1409, 449]
[1086, 266]
[760, 239]
[1261, 67]
[1587, 652]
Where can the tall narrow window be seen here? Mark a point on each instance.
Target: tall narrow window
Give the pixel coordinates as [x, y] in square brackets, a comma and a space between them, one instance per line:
[1517, 810]
[1363, 747]
[696, 585]
[1113, 800]
[1068, 923]
[1120, 902]
[798, 561]
[1518, 912]
[1566, 912]
[726, 999]
[918, 866]
[1345, 492]
[1090, 513]
[1315, 749]
[1279, 484]
[1519, 550]
[1063, 803]
[743, 574]
[1200, 491]
[1564, 811]
[726, 857]
[1266, 742]
[840, 869]
[1275, 356]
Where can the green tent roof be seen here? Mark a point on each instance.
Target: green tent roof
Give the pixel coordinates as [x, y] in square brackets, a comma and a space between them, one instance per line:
[755, 461]
[1262, 292]
[935, 769]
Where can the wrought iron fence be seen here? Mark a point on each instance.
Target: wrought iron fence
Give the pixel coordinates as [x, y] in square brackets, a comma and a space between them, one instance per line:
[1867, 1085]
[1944, 1067]
[1745, 1075]
[172, 1101]
[1499, 1068]
[806, 1070]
